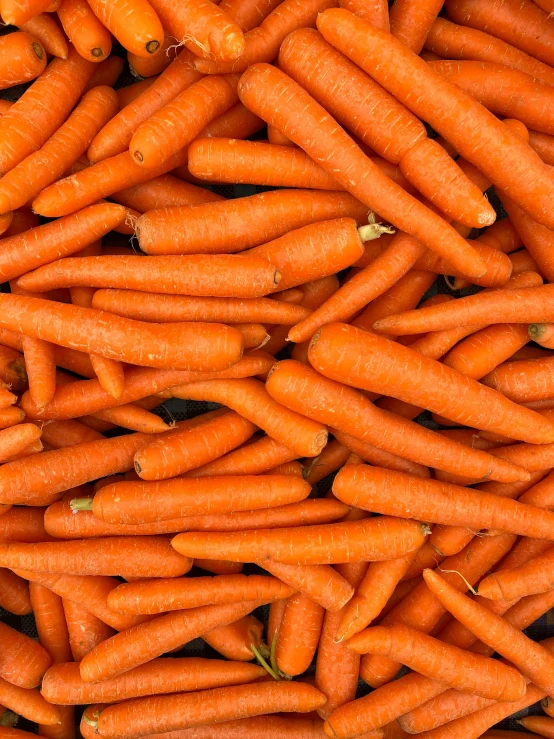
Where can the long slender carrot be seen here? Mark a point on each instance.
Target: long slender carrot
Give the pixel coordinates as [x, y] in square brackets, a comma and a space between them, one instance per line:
[14, 593]
[240, 276]
[23, 661]
[298, 635]
[165, 191]
[303, 390]
[134, 557]
[133, 502]
[321, 583]
[353, 541]
[529, 657]
[410, 22]
[369, 47]
[135, 25]
[42, 109]
[377, 456]
[23, 59]
[261, 456]
[460, 42]
[256, 219]
[75, 400]
[29, 704]
[338, 366]
[536, 237]
[85, 629]
[140, 644]
[543, 725]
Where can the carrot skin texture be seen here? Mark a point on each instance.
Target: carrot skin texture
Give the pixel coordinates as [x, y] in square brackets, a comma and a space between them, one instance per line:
[529, 579]
[410, 22]
[50, 621]
[369, 48]
[14, 595]
[24, 58]
[322, 583]
[298, 635]
[30, 704]
[85, 629]
[26, 674]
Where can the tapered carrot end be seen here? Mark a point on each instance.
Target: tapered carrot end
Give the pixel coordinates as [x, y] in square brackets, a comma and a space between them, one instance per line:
[490, 588]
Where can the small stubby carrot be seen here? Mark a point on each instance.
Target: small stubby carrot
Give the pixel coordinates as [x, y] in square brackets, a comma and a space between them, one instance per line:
[144, 642]
[368, 539]
[368, 47]
[14, 593]
[85, 629]
[452, 41]
[23, 661]
[256, 220]
[304, 390]
[262, 88]
[132, 502]
[298, 634]
[61, 84]
[23, 59]
[135, 25]
[432, 658]
[240, 276]
[328, 363]
[126, 555]
[47, 31]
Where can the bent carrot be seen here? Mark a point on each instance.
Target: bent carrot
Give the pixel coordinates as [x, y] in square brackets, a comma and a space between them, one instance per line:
[111, 556]
[23, 59]
[133, 502]
[298, 635]
[14, 593]
[353, 541]
[528, 579]
[369, 47]
[338, 366]
[23, 661]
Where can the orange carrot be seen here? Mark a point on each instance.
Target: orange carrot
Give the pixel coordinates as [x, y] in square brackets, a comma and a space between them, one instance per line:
[43, 28]
[23, 661]
[136, 26]
[248, 15]
[14, 593]
[353, 541]
[15, 12]
[410, 22]
[235, 640]
[333, 456]
[298, 635]
[50, 621]
[377, 456]
[325, 360]
[133, 502]
[15, 439]
[374, 11]
[321, 583]
[90, 37]
[23, 59]
[29, 704]
[260, 457]
[6, 398]
[141, 66]
[542, 333]
[523, 380]
[542, 725]
[85, 629]
[136, 558]
[533, 577]
[23, 524]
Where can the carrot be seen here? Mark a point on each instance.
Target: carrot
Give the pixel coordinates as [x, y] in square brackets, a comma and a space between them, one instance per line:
[528, 579]
[29, 127]
[325, 361]
[311, 545]
[248, 15]
[40, 479]
[29, 704]
[43, 28]
[260, 457]
[542, 725]
[107, 73]
[60, 434]
[50, 622]
[235, 640]
[369, 47]
[181, 451]
[141, 557]
[131, 502]
[23, 524]
[17, 438]
[85, 630]
[180, 121]
[537, 238]
[241, 275]
[410, 22]
[484, 350]
[23, 661]
[90, 592]
[298, 635]
[95, 182]
[374, 11]
[250, 399]
[6, 398]
[460, 42]
[116, 135]
[90, 37]
[14, 594]
[126, 95]
[533, 385]
[140, 644]
[541, 333]
[75, 399]
[542, 143]
[141, 66]
[24, 58]
[532, 35]
[262, 43]
[15, 12]
[323, 584]
[12, 369]
[204, 28]
[136, 26]
[332, 458]
[487, 83]
[274, 85]
[302, 389]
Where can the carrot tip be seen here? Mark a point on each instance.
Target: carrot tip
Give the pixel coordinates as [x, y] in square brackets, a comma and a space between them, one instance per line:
[152, 46]
[97, 52]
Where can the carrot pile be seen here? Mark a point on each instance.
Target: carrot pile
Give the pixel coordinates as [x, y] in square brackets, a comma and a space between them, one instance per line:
[352, 567]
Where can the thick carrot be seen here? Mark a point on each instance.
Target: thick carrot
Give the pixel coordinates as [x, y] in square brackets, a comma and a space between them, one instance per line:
[532, 33]
[14, 593]
[251, 400]
[410, 22]
[85, 629]
[50, 622]
[140, 644]
[220, 704]
[241, 276]
[460, 42]
[298, 635]
[68, 143]
[23, 524]
[23, 59]
[180, 121]
[353, 541]
[29, 704]
[523, 380]
[369, 47]
[256, 219]
[42, 109]
[134, 557]
[263, 89]
[302, 389]
[43, 28]
[132, 502]
[23, 661]
[262, 43]
[204, 28]
[90, 592]
[135, 25]
[499, 409]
